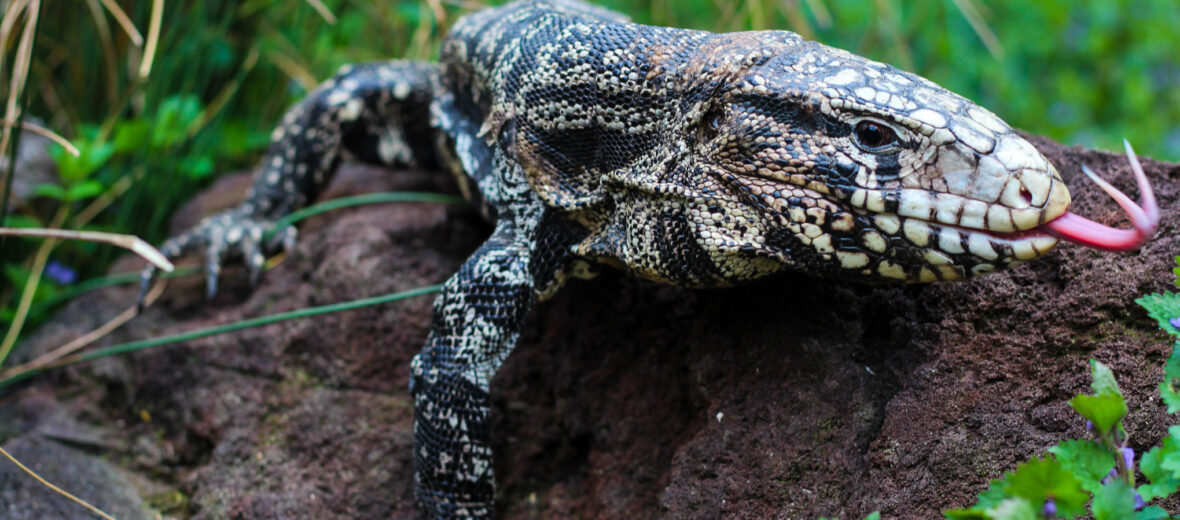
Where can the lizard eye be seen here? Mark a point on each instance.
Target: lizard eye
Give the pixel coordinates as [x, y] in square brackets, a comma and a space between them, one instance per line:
[872, 136]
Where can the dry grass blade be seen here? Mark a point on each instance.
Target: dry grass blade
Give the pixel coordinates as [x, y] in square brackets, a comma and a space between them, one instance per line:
[153, 39]
[440, 14]
[133, 243]
[106, 199]
[796, 20]
[55, 489]
[107, 42]
[38, 129]
[823, 18]
[129, 242]
[293, 70]
[975, 19]
[125, 22]
[11, 15]
[16, 87]
[86, 339]
[323, 10]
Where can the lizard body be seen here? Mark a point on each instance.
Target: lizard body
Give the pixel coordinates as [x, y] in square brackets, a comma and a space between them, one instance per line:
[685, 157]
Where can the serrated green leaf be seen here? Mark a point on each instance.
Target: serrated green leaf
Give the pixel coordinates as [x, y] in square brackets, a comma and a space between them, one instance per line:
[1014, 509]
[1152, 513]
[1162, 307]
[1087, 460]
[1114, 501]
[1161, 481]
[990, 498]
[1168, 391]
[994, 494]
[1105, 410]
[1040, 479]
[1103, 379]
[1169, 459]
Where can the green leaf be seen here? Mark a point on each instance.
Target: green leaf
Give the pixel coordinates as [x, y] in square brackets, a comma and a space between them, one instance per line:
[1115, 501]
[1162, 307]
[173, 119]
[51, 191]
[1105, 410]
[1162, 482]
[91, 156]
[994, 494]
[1152, 513]
[990, 498]
[1040, 479]
[966, 514]
[197, 167]
[875, 515]
[83, 190]
[22, 221]
[1103, 379]
[1176, 271]
[1014, 509]
[1170, 458]
[130, 134]
[1087, 460]
[1168, 391]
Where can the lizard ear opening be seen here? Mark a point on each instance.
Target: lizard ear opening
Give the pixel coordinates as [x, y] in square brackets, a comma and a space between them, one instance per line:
[711, 124]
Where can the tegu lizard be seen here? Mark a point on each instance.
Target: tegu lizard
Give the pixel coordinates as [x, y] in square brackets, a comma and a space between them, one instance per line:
[681, 156]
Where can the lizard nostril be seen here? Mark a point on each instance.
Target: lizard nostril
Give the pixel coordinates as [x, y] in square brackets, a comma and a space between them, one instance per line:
[1026, 195]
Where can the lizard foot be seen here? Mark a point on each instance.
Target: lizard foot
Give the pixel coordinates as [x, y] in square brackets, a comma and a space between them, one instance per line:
[225, 236]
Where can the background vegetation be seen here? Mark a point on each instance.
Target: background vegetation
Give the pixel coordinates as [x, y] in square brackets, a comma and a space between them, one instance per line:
[1086, 73]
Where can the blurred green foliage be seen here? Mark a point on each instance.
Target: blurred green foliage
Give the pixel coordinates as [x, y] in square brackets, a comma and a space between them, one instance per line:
[1084, 72]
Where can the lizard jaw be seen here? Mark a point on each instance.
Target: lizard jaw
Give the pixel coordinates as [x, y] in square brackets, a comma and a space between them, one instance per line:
[1144, 216]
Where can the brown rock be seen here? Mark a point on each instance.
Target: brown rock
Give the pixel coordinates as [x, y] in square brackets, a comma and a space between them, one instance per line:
[789, 398]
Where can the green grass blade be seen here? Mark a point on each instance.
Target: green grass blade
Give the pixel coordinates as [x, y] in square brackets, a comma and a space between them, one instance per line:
[368, 198]
[133, 346]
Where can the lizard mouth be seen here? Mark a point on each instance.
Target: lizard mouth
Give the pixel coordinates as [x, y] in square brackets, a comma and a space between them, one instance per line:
[1032, 242]
[1144, 216]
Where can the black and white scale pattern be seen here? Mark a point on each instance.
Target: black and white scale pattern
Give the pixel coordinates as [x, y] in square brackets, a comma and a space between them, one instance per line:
[685, 157]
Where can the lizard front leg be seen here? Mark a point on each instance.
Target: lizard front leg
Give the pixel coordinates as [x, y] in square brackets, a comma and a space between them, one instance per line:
[377, 113]
[477, 320]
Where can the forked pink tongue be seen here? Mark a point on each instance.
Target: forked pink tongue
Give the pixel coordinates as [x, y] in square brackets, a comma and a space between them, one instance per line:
[1145, 216]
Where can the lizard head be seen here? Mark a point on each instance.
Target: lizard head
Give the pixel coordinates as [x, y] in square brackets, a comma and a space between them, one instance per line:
[856, 168]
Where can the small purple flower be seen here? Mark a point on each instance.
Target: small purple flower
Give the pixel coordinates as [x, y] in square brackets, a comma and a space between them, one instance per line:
[1050, 509]
[60, 274]
[1128, 459]
[1089, 426]
[1175, 322]
[1139, 503]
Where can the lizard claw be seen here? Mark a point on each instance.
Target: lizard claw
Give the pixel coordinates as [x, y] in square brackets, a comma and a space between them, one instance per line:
[171, 249]
[226, 236]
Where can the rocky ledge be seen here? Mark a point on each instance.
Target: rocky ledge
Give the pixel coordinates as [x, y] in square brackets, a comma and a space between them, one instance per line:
[791, 398]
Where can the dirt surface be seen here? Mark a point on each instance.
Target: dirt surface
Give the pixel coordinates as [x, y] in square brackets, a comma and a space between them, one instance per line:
[790, 398]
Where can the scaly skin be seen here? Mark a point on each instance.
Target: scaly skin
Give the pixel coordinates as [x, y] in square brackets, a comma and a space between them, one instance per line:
[685, 157]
